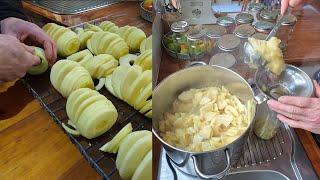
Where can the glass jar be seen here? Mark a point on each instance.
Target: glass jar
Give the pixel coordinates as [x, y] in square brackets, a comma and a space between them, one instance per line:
[228, 43]
[180, 44]
[285, 30]
[243, 31]
[266, 124]
[244, 18]
[227, 22]
[260, 36]
[214, 32]
[269, 15]
[263, 27]
[254, 10]
[197, 45]
[226, 60]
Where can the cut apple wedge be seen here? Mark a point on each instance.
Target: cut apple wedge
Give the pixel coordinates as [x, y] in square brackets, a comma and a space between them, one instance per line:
[84, 37]
[137, 85]
[149, 114]
[113, 145]
[77, 57]
[146, 44]
[143, 96]
[146, 107]
[127, 143]
[117, 78]
[74, 97]
[132, 74]
[109, 86]
[144, 170]
[134, 156]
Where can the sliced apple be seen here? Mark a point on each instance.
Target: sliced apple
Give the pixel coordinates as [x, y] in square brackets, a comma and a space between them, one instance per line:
[43, 66]
[77, 57]
[149, 114]
[127, 60]
[108, 85]
[144, 94]
[132, 74]
[117, 78]
[138, 84]
[144, 170]
[146, 107]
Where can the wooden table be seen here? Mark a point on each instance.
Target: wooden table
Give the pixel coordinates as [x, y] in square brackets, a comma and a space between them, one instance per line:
[303, 47]
[32, 146]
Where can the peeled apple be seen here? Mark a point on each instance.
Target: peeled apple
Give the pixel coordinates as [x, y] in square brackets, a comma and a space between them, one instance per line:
[84, 37]
[108, 26]
[43, 66]
[67, 41]
[91, 113]
[128, 60]
[144, 170]
[113, 145]
[67, 76]
[107, 43]
[145, 60]
[146, 44]
[133, 37]
[134, 156]
[92, 27]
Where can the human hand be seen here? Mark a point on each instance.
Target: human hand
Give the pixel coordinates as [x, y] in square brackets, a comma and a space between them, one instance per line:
[22, 30]
[286, 3]
[299, 112]
[16, 58]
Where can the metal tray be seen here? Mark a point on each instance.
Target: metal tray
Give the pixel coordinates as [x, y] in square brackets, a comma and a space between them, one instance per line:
[104, 163]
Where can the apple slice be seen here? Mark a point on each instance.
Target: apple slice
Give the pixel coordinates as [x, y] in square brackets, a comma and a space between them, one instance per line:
[43, 66]
[113, 145]
[127, 143]
[117, 78]
[73, 98]
[134, 156]
[109, 86]
[138, 84]
[146, 107]
[127, 60]
[59, 70]
[144, 170]
[84, 37]
[132, 74]
[149, 114]
[77, 57]
[144, 94]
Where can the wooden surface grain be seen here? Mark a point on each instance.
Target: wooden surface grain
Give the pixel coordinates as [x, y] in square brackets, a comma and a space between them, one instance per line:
[303, 47]
[32, 146]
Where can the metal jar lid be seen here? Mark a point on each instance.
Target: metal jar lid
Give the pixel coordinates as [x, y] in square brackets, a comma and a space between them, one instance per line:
[244, 31]
[256, 6]
[229, 42]
[288, 20]
[269, 15]
[263, 26]
[226, 60]
[180, 26]
[244, 18]
[196, 34]
[260, 36]
[216, 31]
[225, 21]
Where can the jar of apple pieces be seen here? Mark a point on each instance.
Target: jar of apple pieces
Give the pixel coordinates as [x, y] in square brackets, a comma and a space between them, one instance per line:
[213, 33]
[263, 27]
[227, 22]
[197, 44]
[285, 31]
[228, 43]
[254, 10]
[266, 124]
[179, 30]
[244, 18]
[269, 15]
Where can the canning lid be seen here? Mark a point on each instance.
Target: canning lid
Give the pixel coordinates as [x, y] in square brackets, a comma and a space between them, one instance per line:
[288, 19]
[216, 31]
[269, 15]
[180, 26]
[226, 60]
[228, 42]
[244, 31]
[263, 26]
[195, 34]
[256, 6]
[225, 21]
[244, 18]
[260, 36]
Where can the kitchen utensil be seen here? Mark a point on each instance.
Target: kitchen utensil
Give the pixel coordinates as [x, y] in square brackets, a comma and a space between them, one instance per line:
[210, 164]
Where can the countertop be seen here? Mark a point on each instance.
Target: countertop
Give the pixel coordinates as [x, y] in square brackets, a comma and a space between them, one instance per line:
[32, 146]
[303, 50]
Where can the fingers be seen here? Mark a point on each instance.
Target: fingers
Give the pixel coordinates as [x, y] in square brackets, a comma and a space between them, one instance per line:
[31, 59]
[50, 51]
[296, 117]
[28, 48]
[317, 88]
[298, 101]
[278, 106]
[284, 6]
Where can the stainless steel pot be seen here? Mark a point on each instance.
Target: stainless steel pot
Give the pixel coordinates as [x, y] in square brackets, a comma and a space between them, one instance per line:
[211, 164]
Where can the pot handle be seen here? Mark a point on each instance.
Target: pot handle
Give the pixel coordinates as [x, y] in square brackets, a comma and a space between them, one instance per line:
[219, 175]
[260, 98]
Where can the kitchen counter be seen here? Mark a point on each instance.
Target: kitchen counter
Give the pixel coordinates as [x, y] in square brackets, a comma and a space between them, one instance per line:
[32, 145]
[303, 51]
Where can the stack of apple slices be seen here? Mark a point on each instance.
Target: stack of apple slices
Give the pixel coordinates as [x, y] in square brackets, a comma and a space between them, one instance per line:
[109, 26]
[133, 36]
[67, 41]
[68, 76]
[91, 114]
[107, 43]
[132, 85]
[134, 159]
[146, 44]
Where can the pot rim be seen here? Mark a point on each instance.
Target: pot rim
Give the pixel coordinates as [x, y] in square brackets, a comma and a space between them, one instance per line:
[215, 150]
